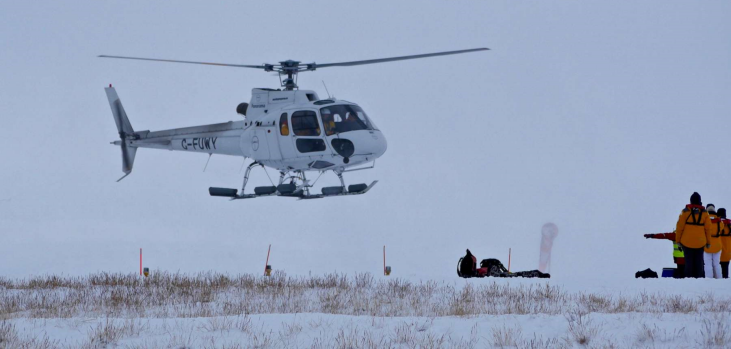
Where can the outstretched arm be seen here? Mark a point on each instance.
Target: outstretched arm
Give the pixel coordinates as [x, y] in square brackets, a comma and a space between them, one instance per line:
[663, 236]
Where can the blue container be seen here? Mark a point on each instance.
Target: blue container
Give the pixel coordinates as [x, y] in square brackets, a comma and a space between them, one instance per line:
[668, 272]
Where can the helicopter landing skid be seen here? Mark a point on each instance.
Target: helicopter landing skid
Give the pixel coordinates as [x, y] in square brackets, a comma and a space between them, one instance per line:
[354, 189]
[291, 189]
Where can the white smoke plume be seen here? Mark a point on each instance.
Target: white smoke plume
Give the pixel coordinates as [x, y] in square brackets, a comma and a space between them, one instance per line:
[548, 234]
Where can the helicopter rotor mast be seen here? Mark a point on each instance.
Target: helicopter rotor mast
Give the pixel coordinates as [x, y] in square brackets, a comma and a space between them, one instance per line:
[291, 68]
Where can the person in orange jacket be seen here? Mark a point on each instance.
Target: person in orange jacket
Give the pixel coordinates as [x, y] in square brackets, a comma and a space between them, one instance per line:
[712, 251]
[693, 232]
[725, 242]
[678, 256]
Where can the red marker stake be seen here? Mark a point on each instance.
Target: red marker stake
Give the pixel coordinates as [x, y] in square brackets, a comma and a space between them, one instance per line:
[384, 259]
[140, 261]
[267, 263]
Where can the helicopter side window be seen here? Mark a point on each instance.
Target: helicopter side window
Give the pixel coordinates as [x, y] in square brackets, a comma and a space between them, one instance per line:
[304, 123]
[309, 145]
[283, 125]
[344, 118]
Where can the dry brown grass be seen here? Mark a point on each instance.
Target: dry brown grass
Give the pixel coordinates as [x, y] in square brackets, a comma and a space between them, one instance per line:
[715, 333]
[175, 295]
[506, 337]
[582, 330]
[652, 335]
[10, 338]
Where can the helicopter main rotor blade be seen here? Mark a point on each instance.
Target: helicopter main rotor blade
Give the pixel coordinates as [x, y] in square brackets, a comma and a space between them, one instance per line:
[391, 59]
[190, 62]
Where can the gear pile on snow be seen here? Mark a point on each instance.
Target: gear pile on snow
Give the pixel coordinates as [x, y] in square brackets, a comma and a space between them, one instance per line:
[646, 274]
[467, 268]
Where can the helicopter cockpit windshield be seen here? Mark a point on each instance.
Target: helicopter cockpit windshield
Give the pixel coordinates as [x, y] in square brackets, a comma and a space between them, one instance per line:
[345, 118]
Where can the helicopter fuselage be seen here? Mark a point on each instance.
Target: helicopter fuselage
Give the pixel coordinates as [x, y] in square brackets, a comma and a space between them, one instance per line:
[290, 130]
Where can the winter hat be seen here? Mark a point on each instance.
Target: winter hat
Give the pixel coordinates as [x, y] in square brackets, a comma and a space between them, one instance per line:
[711, 208]
[695, 199]
[722, 213]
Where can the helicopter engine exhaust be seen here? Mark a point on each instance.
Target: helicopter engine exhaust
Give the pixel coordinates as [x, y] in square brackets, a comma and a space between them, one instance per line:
[241, 108]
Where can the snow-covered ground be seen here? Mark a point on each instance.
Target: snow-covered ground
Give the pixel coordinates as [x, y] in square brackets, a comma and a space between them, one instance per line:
[219, 311]
[345, 331]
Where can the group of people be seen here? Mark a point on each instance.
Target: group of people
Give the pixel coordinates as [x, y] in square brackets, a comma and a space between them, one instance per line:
[701, 241]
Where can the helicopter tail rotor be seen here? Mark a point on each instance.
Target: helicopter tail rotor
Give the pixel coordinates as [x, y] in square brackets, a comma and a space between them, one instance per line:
[125, 131]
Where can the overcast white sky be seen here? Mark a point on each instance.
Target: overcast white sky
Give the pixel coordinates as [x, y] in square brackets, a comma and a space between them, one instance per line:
[602, 117]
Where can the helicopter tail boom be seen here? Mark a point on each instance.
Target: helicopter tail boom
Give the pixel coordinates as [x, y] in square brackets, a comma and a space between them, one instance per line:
[222, 138]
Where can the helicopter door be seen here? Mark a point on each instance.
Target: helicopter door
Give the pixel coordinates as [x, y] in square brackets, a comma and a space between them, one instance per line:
[286, 146]
[259, 144]
[273, 143]
[307, 136]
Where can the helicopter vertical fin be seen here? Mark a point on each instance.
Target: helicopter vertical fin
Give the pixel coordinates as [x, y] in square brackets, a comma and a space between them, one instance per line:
[125, 129]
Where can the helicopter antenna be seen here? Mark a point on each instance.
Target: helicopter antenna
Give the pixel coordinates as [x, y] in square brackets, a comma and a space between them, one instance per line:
[291, 69]
[209, 160]
[328, 92]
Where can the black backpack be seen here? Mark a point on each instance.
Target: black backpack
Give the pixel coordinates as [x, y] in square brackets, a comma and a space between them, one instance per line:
[494, 267]
[466, 267]
[645, 274]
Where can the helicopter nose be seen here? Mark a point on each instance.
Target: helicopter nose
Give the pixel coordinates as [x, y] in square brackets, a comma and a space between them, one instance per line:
[380, 143]
[374, 144]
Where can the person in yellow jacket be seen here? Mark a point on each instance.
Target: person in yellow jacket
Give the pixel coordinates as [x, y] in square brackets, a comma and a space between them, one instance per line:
[678, 256]
[725, 243]
[712, 251]
[693, 232]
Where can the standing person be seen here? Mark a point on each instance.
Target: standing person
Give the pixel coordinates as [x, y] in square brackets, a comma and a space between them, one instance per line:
[725, 243]
[712, 251]
[693, 232]
[678, 256]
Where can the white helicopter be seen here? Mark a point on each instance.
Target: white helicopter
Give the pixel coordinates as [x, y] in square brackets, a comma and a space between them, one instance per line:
[288, 129]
